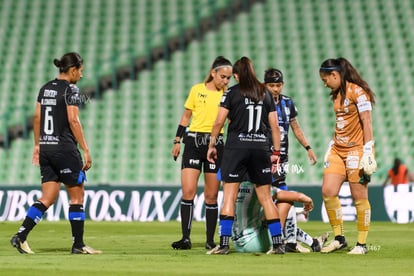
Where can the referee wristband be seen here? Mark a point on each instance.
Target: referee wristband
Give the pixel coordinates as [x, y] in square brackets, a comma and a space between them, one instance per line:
[308, 147]
[180, 131]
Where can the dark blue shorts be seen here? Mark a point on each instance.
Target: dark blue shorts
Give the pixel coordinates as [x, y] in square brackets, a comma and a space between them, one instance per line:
[60, 166]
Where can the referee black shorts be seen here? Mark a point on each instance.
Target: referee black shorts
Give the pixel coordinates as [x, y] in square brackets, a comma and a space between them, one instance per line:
[195, 152]
[255, 163]
[60, 166]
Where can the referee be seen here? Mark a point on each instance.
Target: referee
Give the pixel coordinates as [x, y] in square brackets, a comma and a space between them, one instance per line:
[57, 131]
[201, 108]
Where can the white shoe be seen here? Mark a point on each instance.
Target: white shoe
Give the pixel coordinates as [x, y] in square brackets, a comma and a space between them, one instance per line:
[319, 242]
[22, 247]
[301, 249]
[358, 250]
[333, 246]
[85, 250]
[323, 238]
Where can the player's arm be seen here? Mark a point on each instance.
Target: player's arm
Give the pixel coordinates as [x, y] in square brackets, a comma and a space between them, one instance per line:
[300, 136]
[77, 130]
[217, 126]
[182, 126]
[367, 163]
[36, 134]
[366, 120]
[292, 196]
[386, 181]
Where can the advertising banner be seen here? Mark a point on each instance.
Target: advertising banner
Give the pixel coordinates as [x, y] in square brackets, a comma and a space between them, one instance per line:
[150, 203]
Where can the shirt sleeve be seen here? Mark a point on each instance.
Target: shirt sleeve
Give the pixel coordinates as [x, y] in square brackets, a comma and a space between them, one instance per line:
[190, 102]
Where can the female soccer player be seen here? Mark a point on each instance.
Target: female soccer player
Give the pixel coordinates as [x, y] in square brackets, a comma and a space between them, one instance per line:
[250, 109]
[350, 156]
[201, 107]
[287, 115]
[57, 131]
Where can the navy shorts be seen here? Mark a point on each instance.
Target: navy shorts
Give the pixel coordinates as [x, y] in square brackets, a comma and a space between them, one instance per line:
[241, 164]
[195, 152]
[60, 166]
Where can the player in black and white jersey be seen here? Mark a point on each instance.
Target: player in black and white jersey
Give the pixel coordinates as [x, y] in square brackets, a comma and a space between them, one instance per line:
[287, 116]
[250, 109]
[57, 132]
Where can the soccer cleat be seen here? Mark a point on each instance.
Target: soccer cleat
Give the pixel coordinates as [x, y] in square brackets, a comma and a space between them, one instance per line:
[318, 242]
[85, 250]
[278, 249]
[296, 248]
[219, 250]
[333, 246]
[358, 250]
[210, 245]
[182, 244]
[22, 247]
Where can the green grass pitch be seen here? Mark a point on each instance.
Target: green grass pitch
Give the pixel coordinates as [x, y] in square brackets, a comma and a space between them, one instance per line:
[134, 248]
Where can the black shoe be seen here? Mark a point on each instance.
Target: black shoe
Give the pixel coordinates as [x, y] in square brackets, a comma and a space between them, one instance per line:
[210, 245]
[182, 244]
[290, 247]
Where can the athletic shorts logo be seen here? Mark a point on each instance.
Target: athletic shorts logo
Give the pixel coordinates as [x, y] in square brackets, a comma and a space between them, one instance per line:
[194, 162]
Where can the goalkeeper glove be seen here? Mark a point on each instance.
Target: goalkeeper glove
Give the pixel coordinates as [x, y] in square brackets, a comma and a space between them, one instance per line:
[368, 163]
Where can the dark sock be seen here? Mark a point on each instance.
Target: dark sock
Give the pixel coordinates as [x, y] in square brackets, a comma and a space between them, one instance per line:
[341, 239]
[224, 240]
[277, 240]
[211, 221]
[77, 223]
[34, 215]
[186, 211]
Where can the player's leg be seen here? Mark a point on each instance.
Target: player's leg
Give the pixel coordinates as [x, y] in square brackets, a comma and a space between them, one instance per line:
[211, 188]
[330, 191]
[272, 218]
[230, 191]
[363, 209]
[189, 179]
[290, 231]
[50, 191]
[315, 243]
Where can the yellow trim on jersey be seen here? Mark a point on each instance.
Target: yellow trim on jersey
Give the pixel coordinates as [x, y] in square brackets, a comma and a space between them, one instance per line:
[204, 105]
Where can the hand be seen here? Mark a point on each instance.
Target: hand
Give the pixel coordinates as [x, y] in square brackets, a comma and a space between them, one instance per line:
[87, 160]
[212, 154]
[176, 151]
[275, 159]
[35, 155]
[312, 157]
[368, 163]
[328, 151]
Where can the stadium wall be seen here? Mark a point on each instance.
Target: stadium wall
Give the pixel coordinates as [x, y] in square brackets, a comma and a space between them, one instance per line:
[144, 204]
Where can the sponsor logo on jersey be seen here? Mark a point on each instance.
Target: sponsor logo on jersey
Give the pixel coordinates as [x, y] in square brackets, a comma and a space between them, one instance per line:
[50, 93]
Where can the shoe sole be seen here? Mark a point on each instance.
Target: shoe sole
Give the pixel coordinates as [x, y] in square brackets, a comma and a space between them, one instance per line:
[343, 246]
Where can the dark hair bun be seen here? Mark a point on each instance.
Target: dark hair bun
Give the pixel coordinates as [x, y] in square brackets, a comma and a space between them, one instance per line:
[57, 62]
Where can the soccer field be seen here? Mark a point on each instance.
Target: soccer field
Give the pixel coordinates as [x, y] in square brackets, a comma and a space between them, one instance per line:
[134, 248]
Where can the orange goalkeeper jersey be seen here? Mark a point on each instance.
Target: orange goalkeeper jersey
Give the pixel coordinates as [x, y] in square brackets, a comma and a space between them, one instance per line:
[348, 130]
